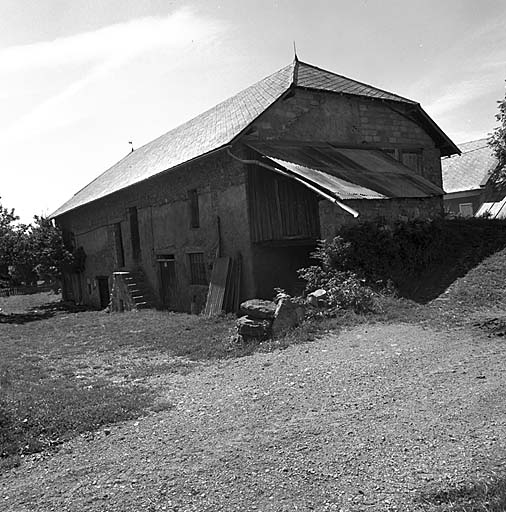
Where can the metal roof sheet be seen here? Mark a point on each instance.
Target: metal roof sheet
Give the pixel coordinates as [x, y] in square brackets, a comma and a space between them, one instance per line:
[471, 169]
[349, 173]
[493, 210]
[221, 125]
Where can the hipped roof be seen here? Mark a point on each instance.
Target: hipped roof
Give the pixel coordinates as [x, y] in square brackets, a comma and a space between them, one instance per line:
[225, 122]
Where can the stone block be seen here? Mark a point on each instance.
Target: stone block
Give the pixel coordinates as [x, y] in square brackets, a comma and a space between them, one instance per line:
[288, 315]
[317, 298]
[258, 308]
[253, 328]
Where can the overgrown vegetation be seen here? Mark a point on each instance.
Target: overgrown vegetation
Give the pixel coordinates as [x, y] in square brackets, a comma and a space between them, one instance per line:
[498, 144]
[29, 252]
[417, 259]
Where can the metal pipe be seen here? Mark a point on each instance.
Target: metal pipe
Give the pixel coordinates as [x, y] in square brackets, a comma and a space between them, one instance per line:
[299, 179]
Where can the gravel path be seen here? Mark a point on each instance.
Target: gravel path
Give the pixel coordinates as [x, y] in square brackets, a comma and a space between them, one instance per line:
[364, 420]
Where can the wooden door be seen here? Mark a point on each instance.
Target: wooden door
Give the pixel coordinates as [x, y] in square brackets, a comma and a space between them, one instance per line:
[168, 282]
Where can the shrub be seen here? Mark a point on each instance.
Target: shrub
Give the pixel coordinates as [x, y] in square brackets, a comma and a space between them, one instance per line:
[417, 258]
[344, 289]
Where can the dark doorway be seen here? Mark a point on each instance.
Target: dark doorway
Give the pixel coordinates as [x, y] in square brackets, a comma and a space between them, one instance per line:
[103, 291]
[168, 291]
[134, 233]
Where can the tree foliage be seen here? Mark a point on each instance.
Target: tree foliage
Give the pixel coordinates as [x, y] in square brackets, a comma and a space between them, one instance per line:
[8, 238]
[31, 251]
[497, 142]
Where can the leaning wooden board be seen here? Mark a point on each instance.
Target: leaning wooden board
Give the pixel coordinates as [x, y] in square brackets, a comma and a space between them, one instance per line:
[216, 292]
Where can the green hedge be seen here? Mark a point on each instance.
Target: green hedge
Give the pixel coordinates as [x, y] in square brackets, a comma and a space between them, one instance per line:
[408, 256]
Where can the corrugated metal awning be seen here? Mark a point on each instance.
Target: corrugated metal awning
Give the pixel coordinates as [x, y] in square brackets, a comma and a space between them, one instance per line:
[493, 210]
[348, 173]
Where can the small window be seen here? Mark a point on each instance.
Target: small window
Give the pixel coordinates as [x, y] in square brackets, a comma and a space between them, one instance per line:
[193, 197]
[134, 233]
[391, 152]
[118, 243]
[466, 209]
[412, 160]
[197, 268]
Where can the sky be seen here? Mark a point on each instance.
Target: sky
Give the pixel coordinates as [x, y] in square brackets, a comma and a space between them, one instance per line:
[80, 79]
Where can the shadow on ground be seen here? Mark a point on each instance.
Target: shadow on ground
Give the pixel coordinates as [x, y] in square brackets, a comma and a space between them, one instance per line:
[24, 318]
[487, 496]
[42, 312]
[439, 277]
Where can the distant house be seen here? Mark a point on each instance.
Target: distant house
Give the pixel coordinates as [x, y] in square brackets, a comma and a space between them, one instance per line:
[263, 175]
[465, 178]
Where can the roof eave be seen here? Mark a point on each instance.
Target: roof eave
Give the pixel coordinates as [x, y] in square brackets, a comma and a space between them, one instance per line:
[55, 214]
[447, 147]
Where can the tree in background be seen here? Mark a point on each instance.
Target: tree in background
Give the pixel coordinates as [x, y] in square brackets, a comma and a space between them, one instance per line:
[8, 239]
[498, 143]
[47, 244]
[31, 251]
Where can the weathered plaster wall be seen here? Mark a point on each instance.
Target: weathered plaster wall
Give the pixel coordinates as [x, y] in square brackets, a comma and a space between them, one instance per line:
[164, 225]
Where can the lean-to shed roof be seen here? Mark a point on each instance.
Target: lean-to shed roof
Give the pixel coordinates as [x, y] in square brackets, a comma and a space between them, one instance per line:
[348, 173]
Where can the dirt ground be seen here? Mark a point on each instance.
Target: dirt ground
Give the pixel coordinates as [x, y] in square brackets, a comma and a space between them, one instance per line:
[379, 417]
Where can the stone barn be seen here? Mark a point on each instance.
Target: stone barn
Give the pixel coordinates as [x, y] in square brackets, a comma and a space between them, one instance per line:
[261, 177]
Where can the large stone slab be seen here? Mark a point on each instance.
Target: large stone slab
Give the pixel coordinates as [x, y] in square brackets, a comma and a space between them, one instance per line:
[258, 308]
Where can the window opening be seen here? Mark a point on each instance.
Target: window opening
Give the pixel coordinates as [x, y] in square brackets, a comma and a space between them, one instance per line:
[118, 243]
[134, 233]
[197, 268]
[194, 208]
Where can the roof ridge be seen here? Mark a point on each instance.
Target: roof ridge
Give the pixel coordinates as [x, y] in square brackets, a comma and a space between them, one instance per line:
[296, 64]
[357, 81]
[474, 149]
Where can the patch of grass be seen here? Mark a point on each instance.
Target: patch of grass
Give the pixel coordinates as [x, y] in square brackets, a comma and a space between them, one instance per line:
[43, 414]
[74, 372]
[484, 496]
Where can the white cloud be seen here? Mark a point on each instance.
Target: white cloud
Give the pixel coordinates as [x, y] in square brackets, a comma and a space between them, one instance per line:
[120, 41]
[458, 94]
[69, 106]
[100, 54]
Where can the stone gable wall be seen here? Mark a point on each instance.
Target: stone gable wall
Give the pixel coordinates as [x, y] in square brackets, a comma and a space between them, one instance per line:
[348, 120]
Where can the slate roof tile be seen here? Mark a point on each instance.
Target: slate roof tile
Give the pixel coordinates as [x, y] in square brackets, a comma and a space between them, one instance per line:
[217, 127]
[471, 169]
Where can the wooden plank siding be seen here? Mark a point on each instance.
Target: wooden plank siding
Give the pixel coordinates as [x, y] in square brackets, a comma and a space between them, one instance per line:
[280, 209]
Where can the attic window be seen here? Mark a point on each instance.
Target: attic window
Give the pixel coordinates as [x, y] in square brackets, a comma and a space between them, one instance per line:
[193, 198]
[412, 160]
